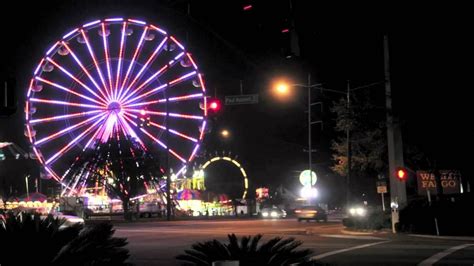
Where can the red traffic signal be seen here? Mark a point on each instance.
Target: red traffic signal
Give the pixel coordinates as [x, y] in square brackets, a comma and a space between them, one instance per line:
[402, 174]
[214, 105]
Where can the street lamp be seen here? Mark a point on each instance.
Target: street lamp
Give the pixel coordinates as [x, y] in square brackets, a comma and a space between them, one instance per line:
[225, 133]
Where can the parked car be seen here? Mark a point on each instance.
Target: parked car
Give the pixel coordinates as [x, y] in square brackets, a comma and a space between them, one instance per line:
[273, 212]
[311, 213]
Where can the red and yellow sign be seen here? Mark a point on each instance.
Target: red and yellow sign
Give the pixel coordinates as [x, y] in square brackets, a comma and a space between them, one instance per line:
[450, 182]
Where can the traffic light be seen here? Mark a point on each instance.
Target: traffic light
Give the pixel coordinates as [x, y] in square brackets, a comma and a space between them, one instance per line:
[213, 105]
[402, 174]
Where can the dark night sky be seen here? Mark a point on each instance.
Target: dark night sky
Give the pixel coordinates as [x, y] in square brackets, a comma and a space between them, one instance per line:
[428, 44]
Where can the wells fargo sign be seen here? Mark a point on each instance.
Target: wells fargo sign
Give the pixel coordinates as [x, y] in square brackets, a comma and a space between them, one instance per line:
[450, 182]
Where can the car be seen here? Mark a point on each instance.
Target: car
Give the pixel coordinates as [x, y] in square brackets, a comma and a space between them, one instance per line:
[311, 213]
[70, 219]
[273, 212]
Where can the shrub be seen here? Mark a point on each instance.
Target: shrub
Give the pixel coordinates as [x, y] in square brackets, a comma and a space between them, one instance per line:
[276, 251]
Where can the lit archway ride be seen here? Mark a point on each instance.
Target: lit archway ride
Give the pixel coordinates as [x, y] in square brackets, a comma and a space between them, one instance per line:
[234, 162]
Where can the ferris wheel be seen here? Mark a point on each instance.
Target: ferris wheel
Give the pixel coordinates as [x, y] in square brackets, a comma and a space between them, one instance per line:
[115, 76]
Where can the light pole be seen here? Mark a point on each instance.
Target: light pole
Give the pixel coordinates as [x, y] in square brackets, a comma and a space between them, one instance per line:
[283, 89]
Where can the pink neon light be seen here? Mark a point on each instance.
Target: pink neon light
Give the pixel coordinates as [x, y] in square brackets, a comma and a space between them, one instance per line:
[60, 117]
[52, 48]
[205, 104]
[119, 66]
[146, 103]
[158, 29]
[114, 19]
[192, 60]
[183, 77]
[91, 52]
[186, 116]
[132, 63]
[182, 135]
[285, 30]
[26, 111]
[146, 94]
[85, 71]
[37, 154]
[137, 21]
[178, 43]
[59, 133]
[74, 78]
[203, 87]
[39, 100]
[38, 67]
[153, 138]
[185, 97]
[247, 7]
[91, 23]
[106, 49]
[203, 128]
[159, 72]
[30, 88]
[29, 133]
[176, 155]
[157, 50]
[68, 90]
[52, 173]
[72, 142]
[193, 153]
[70, 33]
[157, 125]
[179, 56]
[147, 112]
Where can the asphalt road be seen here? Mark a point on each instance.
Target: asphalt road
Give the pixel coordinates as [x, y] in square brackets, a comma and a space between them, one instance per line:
[158, 242]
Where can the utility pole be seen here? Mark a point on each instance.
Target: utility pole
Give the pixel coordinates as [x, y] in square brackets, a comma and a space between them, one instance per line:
[398, 194]
[309, 131]
[349, 149]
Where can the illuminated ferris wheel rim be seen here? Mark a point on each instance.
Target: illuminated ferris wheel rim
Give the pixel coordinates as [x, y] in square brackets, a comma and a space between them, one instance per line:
[111, 94]
[234, 162]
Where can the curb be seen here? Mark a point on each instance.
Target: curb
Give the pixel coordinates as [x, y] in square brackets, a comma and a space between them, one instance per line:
[357, 233]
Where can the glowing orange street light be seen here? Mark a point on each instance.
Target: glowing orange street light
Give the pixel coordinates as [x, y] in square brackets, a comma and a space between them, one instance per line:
[225, 133]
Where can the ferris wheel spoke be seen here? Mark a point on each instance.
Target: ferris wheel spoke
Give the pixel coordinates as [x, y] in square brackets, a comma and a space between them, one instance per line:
[171, 99]
[184, 116]
[75, 79]
[147, 94]
[158, 49]
[91, 52]
[130, 66]
[107, 59]
[120, 59]
[157, 74]
[62, 117]
[127, 128]
[68, 129]
[69, 90]
[171, 83]
[56, 102]
[175, 132]
[163, 145]
[86, 72]
[72, 143]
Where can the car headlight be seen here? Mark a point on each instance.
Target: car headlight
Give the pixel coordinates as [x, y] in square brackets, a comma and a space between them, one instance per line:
[352, 211]
[265, 214]
[360, 211]
[274, 214]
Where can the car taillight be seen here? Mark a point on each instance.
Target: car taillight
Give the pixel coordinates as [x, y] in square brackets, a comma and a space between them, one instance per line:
[298, 211]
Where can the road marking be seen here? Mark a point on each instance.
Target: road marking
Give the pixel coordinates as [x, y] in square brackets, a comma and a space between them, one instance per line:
[463, 238]
[438, 256]
[354, 237]
[327, 254]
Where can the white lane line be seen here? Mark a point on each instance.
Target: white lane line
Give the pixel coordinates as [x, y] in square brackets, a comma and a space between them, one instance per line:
[438, 256]
[354, 237]
[327, 254]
